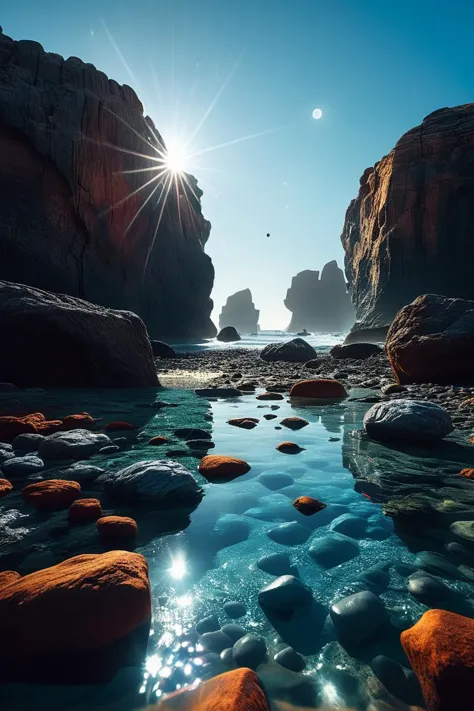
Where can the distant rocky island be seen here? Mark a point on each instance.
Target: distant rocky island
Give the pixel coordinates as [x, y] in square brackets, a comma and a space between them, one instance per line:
[72, 219]
[320, 304]
[409, 231]
[239, 311]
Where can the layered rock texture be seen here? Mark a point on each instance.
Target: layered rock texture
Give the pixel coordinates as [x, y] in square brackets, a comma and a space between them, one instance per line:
[409, 231]
[320, 304]
[74, 216]
[239, 311]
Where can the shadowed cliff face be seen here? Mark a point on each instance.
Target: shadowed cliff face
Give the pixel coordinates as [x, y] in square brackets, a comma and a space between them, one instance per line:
[410, 230]
[66, 137]
[320, 304]
[239, 311]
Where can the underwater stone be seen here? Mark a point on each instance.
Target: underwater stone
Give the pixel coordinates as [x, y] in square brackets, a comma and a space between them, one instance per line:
[289, 534]
[234, 610]
[358, 617]
[285, 593]
[215, 641]
[208, 624]
[350, 525]
[275, 481]
[333, 549]
[249, 651]
[234, 631]
[426, 589]
[276, 564]
[407, 420]
[290, 659]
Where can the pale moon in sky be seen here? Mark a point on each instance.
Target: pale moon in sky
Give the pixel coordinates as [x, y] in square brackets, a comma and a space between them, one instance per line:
[317, 114]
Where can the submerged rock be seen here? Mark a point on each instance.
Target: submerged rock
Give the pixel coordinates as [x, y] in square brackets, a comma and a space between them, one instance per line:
[294, 423]
[407, 420]
[290, 659]
[295, 351]
[426, 588]
[289, 534]
[249, 651]
[358, 617]
[285, 593]
[234, 610]
[289, 448]
[239, 311]
[318, 389]
[50, 618]
[159, 483]
[440, 650]
[333, 549]
[82, 345]
[276, 564]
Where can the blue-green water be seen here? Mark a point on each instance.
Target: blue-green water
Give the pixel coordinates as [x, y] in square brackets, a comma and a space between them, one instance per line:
[214, 560]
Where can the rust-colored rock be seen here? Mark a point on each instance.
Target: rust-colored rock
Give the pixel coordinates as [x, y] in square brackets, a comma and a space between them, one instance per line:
[467, 473]
[440, 648]
[119, 426]
[113, 529]
[430, 341]
[5, 487]
[289, 448]
[7, 577]
[308, 506]
[52, 494]
[84, 511]
[49, 427]
[11, 426]
[75, 216]
[318, 389]
[158, 441]
[270, 396]
[82, 421]
[409, 230]
[219, 468]
[73, 612]
[238, 690]
[246, 423]
[294, 423]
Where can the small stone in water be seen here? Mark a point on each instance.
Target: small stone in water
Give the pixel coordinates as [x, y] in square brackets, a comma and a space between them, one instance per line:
[249, 651]
[234, 610]
[215, 641]
[308, 506]
[290, 659]
[208, 624]
[234, 631]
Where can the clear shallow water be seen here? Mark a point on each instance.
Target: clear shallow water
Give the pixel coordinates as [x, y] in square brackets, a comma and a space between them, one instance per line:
[261, 339]
[213, 561]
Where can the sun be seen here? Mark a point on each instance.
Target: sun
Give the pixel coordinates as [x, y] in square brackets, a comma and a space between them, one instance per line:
[175, 158]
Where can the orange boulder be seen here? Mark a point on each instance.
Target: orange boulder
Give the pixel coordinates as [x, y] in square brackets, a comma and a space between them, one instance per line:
[118, 426]
[217, 467]
[48, 427]
[73, 612]
[84, 511]
[157, 441]
[238, 690]
[51, 494]
[294, 423]
[7, 577]
[5, 487]
[308, 506]
[246, 423]
[289, 448]
[117, 528]
[319, 389]
[82, 421]
[11, 426]
[440, 648]
[467, 473]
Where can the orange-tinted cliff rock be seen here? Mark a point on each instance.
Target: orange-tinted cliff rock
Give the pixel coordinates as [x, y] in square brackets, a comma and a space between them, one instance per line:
[410, 230]
[69, 219]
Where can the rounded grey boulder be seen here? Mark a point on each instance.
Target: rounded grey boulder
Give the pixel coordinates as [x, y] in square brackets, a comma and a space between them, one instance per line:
[427, 589]
[358, 617]
[333, 549]
[276, 564]
[295, 351]
[290, 659]
[228, 334]
[75, 444]
[285, 593]
[289, 534]
[234, 610]
[215, 641]
[28, 442]
[407, 420]
[234, 631]
[249, 651]
[152, 483]
[207, 624]
[22, 466]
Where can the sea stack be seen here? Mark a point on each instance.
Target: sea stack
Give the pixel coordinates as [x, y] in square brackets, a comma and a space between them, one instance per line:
[320, 304]
[409, 231]
[74, 215]
[239, 311]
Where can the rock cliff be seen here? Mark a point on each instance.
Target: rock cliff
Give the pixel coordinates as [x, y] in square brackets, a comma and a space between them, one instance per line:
[410, 231]
[239, 311]
[79, 210]
[320, 304]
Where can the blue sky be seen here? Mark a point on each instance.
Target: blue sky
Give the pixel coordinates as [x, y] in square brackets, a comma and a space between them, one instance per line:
[374, 68]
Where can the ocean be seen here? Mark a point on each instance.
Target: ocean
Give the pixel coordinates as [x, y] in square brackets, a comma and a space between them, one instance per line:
[262, 339]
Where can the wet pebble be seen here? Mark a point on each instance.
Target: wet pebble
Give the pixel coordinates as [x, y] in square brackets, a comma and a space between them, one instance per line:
[290, 659]
[276, 564]
[215, 641]
[28, 442]
[426, 589]
[289, 534]
[350, 525]
[284, 593]
[275, 481]
[234, 631]
[358, 617]
[22, 466]
[208, 624]
[333, 549]
[250, 651]
[234, 610]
